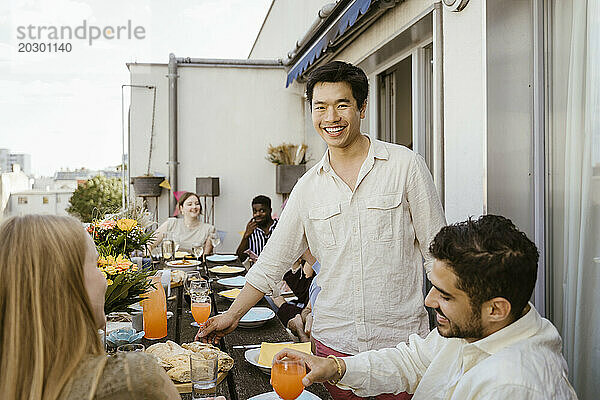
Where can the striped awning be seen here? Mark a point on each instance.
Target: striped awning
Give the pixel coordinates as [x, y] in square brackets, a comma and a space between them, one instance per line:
[337, 29]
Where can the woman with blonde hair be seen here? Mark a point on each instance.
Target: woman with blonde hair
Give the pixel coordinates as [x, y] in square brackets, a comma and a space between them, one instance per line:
[51, 307]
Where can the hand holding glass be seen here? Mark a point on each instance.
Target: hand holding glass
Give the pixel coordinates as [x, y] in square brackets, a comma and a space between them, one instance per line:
[286, 378]
[200, 308]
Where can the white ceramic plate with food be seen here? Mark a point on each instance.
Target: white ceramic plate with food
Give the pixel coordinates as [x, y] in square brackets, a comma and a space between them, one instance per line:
[183, 264]
[227, 270]
[251, 356]
[222, 257]
[182, 254]
[230, 294]
[255, 317]
[233, 282]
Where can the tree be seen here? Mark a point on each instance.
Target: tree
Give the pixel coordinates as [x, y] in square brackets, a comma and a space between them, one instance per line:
[96, 197]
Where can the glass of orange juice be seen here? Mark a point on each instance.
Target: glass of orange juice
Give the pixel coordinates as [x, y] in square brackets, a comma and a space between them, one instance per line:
[286, 378]
[200, 308]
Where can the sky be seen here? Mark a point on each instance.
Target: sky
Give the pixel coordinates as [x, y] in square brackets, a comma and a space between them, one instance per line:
[64, 108]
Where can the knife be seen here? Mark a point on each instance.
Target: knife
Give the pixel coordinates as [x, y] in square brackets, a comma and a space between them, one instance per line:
[251, 346]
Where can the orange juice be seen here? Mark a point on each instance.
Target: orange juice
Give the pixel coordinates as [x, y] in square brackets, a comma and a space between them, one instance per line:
[155, 311]
[201, 312]
[286, 378]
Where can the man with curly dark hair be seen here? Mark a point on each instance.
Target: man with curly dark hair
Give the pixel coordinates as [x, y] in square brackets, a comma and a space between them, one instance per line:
[490, 342]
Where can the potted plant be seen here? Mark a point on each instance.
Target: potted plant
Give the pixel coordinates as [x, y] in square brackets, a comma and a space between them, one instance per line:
[290, 161]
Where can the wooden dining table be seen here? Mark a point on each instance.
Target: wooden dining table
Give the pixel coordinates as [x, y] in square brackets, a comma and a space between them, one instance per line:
[244, 380]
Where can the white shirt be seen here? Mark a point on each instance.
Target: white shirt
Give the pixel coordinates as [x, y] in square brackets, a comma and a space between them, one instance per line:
[370, 242]
[186, 237]
[521, 361]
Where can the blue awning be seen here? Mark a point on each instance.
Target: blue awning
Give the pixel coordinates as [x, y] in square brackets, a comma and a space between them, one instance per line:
[359, 7]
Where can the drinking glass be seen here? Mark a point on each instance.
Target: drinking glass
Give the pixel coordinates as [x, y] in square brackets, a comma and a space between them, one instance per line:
[199, 287]
[167, 247]
[198, 250]
[200, 308]
[130, 347]
[203, 374]
[286, 378]
[190, 277]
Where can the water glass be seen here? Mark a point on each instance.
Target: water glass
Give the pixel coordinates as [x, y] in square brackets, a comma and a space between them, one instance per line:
[199, 288]
[198, 250]
[203, 374]
[168, 251]
[192, 276]
[130, 347]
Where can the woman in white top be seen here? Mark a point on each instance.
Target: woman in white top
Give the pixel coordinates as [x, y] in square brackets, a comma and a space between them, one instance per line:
[188, 230]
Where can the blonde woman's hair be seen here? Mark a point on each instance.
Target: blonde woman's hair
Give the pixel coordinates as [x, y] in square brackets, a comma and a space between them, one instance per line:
[46, 318]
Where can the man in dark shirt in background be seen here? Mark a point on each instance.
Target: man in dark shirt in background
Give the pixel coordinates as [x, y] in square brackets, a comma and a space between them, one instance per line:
[258, 229]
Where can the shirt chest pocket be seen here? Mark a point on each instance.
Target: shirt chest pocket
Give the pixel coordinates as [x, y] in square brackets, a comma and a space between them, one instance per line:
[322, 220]
[383, 217]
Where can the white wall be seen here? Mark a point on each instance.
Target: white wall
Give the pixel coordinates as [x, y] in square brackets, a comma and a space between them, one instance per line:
[227, 118]
[57, 204]
[285, 24]
[11, 182]
[464, 111]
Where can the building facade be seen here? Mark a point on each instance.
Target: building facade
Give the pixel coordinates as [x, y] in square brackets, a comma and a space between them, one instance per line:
[38, 202]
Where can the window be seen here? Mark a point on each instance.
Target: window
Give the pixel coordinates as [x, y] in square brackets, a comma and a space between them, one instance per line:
[22, 200]
[45, 199]
[405, 102]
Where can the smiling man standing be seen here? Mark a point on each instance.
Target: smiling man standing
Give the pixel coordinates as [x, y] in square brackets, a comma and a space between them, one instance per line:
[368, 211]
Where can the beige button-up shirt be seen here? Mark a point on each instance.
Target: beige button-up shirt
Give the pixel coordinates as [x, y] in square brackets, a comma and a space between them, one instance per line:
[521, 361]
[370, 242]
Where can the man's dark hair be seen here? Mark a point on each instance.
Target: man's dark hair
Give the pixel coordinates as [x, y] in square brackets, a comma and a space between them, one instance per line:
[491, 258]
[339, 71]
[260, 199]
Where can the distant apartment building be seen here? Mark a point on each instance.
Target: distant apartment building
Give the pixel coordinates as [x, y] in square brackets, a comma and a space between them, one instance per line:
[8, 159]
[11, 182]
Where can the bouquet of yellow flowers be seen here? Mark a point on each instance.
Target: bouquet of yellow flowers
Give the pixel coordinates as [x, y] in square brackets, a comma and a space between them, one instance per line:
[126, 283]
[118, 236]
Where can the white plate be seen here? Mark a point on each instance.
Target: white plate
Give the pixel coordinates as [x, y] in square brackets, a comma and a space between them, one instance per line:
[251, 356]
[306, 395]
[178, 264]
[234, 282]
[255, 317]
[233, 271]
[222, 257]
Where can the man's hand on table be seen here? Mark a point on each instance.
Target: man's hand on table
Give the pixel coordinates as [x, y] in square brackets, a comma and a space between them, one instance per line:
[319, 369]
[216, 328]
